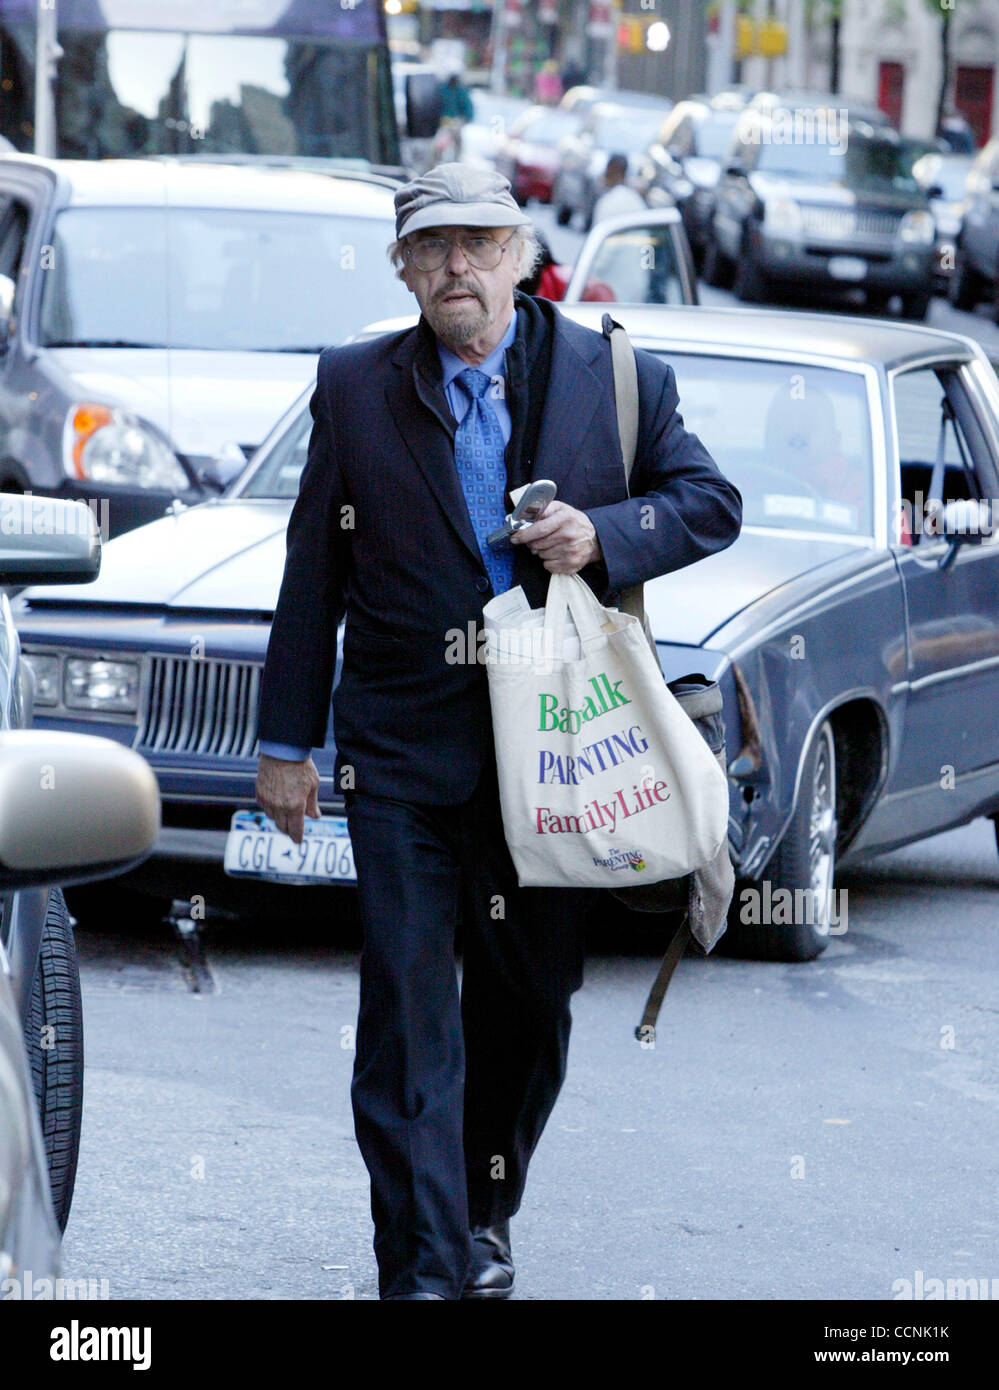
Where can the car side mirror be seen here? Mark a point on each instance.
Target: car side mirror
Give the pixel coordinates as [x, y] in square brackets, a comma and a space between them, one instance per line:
[423, 105]
[8, 289]
[73, 808]
[46, 540]
[967, 520]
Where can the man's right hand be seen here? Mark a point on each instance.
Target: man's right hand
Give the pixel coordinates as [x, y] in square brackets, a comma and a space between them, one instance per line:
[288, 792]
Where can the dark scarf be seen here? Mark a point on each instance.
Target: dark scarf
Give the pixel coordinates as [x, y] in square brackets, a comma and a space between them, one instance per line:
[526, 362]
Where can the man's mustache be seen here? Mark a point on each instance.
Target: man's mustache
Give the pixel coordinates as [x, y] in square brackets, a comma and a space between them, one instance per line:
[459, 289]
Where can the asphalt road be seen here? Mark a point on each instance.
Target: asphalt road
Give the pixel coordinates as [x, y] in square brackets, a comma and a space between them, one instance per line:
[811, 1131]
[798, 1132]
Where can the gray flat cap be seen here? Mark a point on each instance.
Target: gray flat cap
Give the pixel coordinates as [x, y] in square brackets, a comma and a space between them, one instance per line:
[456, 195]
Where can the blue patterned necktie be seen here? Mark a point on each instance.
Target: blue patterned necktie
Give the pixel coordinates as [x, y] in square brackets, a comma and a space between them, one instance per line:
[479, 450]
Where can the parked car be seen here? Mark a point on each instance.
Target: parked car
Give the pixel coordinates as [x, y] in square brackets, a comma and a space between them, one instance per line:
[71, 808]
[684, 161]
[609, 128]
[158, 315]
[976, 268]
[528, 155]
[843, 213]
[944, 177]
[853, 663]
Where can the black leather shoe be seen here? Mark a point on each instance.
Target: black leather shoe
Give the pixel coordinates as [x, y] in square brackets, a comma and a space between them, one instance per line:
[491, 1274]
[420, 1293]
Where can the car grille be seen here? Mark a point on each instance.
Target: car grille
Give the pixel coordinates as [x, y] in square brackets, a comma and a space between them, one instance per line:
[206, 707]
[839, 223]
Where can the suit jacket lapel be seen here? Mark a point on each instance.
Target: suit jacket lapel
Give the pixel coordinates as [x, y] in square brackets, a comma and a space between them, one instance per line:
[425, 424]
[574, 391]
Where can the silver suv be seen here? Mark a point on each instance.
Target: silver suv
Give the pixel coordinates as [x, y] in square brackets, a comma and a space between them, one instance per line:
[158, 316]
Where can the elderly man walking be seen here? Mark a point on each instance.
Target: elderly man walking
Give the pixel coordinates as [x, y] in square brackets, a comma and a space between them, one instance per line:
[418, 438]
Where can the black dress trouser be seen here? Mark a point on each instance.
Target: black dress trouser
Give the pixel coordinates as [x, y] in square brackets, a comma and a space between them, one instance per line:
[450, 1098]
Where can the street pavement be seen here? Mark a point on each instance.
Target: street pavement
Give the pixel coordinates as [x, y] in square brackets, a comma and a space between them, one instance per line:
[820, 1130]
[824, 1130]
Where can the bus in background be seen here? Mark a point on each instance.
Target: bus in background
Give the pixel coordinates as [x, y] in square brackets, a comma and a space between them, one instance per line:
[98, 79]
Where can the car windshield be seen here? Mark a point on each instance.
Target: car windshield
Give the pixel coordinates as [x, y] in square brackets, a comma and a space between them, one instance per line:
[217, 279]
[853, 160]
[795, 440]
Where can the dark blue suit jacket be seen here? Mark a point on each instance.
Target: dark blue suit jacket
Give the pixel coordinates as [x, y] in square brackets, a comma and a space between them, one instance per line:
[380, 531]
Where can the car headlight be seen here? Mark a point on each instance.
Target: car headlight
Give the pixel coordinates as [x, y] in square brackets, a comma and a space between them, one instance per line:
[782, 215]
[104, 685]
[45, 670]
[105, 445]
[917, 226]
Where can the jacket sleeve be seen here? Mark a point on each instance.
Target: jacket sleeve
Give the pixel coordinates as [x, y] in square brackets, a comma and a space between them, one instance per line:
[681, 506]
[301, 654]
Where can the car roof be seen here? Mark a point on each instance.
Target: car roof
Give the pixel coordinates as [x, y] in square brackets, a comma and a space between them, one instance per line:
[183, 183]
[783, 333]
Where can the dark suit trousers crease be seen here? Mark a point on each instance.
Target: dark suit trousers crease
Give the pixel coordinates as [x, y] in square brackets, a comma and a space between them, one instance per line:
[450, 1096]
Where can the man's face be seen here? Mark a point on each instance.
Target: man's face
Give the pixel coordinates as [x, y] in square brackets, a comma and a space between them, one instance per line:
[463, 303]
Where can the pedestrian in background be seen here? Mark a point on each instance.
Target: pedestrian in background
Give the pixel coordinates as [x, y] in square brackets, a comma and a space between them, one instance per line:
[618, 196]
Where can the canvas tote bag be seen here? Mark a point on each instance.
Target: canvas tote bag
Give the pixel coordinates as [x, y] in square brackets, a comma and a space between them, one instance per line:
[604, 780]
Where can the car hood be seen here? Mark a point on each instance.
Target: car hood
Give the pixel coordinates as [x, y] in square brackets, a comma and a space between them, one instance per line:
[229, 554]
[805, 190]
[199, 399]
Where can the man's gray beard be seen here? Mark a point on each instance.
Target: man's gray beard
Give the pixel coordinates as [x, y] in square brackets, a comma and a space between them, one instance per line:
[454, 329]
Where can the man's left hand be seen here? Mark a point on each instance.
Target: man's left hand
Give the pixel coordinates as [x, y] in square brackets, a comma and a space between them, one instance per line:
[564, 539]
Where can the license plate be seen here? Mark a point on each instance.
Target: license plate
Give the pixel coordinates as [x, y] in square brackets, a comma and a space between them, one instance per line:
[255, 848]
[847, 268]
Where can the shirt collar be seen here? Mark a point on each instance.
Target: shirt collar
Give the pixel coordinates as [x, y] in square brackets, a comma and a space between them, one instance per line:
[451, 364]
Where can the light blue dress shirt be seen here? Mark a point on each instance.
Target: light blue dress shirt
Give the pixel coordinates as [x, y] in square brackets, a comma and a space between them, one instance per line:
[458, 401]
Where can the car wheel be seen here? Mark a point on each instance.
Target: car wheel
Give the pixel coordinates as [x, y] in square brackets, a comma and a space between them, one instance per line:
[717, 272]
[964, 289]
[797, 921]
[749, 285]
[563, 215]
[916, 306]
[54, 1040]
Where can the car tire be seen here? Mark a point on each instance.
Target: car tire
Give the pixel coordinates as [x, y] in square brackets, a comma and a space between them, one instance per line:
[916, 306]
[965, 287]
[749, 285]
[805, 862]
[717, 272]
[563, 215]
[54, 1042]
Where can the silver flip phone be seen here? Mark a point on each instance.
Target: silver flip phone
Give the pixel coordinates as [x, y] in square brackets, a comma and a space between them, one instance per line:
[531, 503]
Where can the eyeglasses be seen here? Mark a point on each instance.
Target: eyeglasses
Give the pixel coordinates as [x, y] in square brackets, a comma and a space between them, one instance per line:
[482, 252]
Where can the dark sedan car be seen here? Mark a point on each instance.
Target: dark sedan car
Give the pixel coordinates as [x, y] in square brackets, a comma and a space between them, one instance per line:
[852, 626]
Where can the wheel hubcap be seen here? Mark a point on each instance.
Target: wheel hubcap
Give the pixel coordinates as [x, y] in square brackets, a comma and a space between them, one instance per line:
[822, 831]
